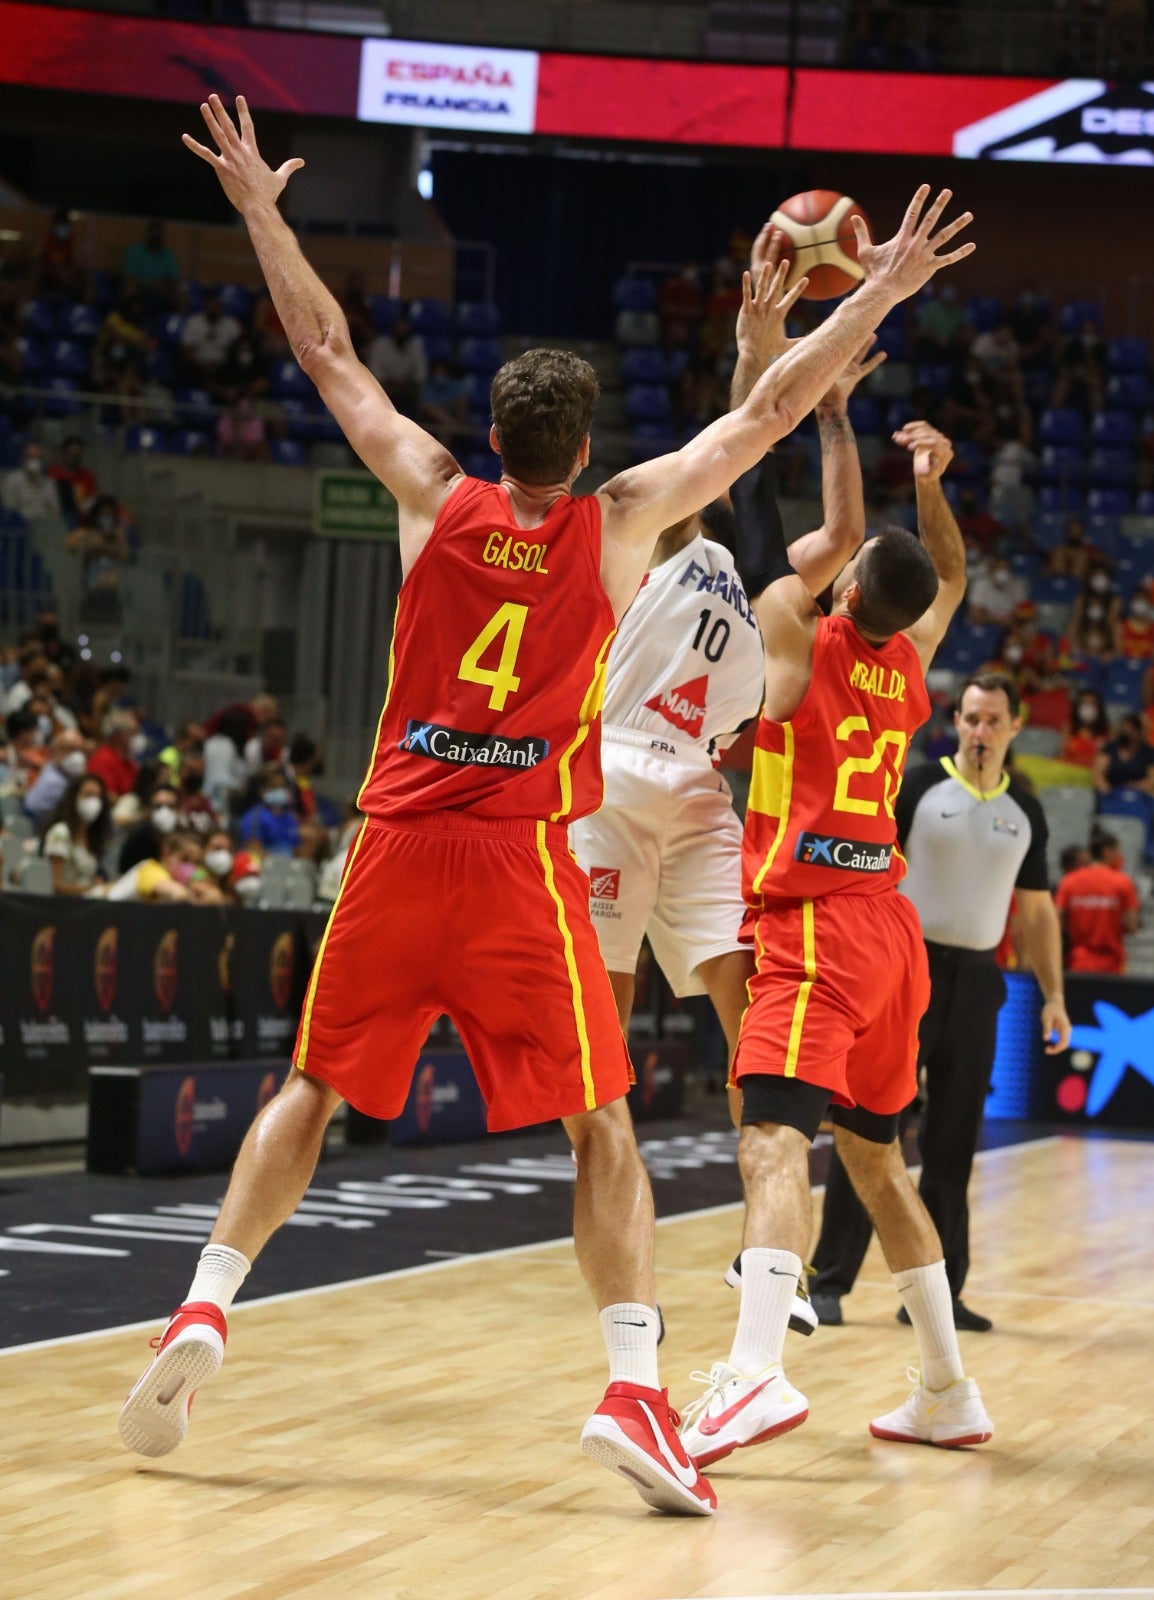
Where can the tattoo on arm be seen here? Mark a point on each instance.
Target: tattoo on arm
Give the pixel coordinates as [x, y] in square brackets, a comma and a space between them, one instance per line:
[833, 428]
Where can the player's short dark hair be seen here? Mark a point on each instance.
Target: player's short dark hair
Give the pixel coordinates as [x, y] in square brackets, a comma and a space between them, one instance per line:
[898, 582]
[542, 403]
[990, 683]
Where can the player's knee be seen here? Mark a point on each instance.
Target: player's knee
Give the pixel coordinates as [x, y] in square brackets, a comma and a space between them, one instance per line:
[872, 1166]
[766, 1150]
[604, 1135]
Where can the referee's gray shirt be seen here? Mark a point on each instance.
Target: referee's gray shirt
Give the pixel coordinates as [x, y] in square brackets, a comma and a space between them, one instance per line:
[967, 851]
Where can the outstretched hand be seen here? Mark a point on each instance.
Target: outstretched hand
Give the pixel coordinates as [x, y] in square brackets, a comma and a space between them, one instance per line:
[244, 176]
[860, 366]
[910, 259]
[764, 307]
[931, 450]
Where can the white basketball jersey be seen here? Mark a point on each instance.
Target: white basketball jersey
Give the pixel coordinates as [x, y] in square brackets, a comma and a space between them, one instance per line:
[686, 665]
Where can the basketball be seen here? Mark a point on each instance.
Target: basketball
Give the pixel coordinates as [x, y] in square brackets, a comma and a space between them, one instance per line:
[820, 242]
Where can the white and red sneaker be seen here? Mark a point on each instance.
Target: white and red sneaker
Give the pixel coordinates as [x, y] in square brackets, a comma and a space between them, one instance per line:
[154, 1418]
[634, 1432]
[738, 1409]
[951, 1418]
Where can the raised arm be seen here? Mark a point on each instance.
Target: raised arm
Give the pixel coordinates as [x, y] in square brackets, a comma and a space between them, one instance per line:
[639, 503]
[932, 453]
[412, 465]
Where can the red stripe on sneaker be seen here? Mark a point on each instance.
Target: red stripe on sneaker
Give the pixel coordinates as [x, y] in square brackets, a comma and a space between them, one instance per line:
[711, 1425]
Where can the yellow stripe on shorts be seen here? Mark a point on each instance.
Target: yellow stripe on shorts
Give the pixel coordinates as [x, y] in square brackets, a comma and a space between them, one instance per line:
[570, 967]
[310, 997]
[809, 953]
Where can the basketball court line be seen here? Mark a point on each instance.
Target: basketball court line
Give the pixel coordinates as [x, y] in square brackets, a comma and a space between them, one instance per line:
[526, 1250]
[954, 1594]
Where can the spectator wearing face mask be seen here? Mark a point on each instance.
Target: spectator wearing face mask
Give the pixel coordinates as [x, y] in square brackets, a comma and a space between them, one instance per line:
[996, 596]
[1098, 905]
[26, 752]
[1096, 617]
[272, 826]
[67, 761]
[1081, 372]
[57, 272]
[205, 340]
[1136, 635]
[225, 773]
[100, 538]
[28, 490]
[1088, 732]
[267, 745]
[77, 836]
[161, 819]
[1126, 761]
[113, 760]
[174, 875]
[397, 361]
[196, 810]
[219, 859]
[1074, 557]
[187, 740]
[32, 665]
[942, 330]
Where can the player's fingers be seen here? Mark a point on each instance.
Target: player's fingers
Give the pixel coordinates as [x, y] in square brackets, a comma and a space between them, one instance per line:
[913, 210]
[873, 364]
[944, 235]
[788, 301]
[214, 125]
[201, 150]
[244, 117]
[746, 292]
[933, 212]
[222, 123]
[765, 281]
[286, 169]
[956, 255]
[775, 288]
[861, 232]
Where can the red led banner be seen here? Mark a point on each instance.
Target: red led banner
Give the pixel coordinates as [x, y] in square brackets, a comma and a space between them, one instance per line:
[671, 102]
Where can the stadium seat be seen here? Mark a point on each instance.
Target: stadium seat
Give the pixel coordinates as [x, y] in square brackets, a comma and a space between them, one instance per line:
[479, 355]
[289, 453]
[1113, 430]
[1061, 427]
[894, 341]
[439, 347]
[1060, 497]
[479, 393]
[1112, 469]
[1049, 528]
[1104, 533]
[985, 312]
[38, 319]
[78, 322]
[287, 381]
[1130, 815]
[1109, 502]
[236, 301]
[139, 440]
[637, 327]
[482, 464]
[189, 442]
[385, 311]
[194, 400]
[1127, 355]
[1128, 389]
[1124, 682]
[31, 356]
[67, 357]
[1069, 816]
[192, 294]
[1056, 591]
[1061, 463]
[1072, 316]
[648, 403]
[195, 619]
[642, 365]
[62, 402]
[1038, 742]
[969, 459]
[985, 637]
[478, 319]
[170, 327]
[1144, 505]
[1025, 564]
[430, 317]
[635, 293]
[936, 379]
[865, 414]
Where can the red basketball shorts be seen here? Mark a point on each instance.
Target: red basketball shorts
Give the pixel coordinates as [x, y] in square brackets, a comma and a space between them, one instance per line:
[488, 923]
[840, 987]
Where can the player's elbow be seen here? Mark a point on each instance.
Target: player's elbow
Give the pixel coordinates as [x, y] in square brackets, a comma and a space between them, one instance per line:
[327, 349]
[779, 420]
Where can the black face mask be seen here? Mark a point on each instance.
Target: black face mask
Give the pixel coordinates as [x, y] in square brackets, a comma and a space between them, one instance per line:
[193, 783]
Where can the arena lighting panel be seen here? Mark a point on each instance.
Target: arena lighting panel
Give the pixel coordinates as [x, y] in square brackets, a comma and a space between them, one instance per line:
[525, 92]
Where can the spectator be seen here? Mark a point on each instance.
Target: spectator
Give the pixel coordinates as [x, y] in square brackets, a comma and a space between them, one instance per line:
[1032, 327]
[1097, 611]
[188, 740]
[75, 483]
[942, 331]
[978, 527]
[225, 773]
[1081, 372]
[244, 374]
[265, 746]
[241, 433]
[1136, 635]
[67, 761]
[205, 341]
[174, 875]
[112, 760]
[272, 826]
[679, 299]
[57, 274]
[1073, 857]
[100, 538]
[1074, 557]
[967, 407]
[1089, 732]
[1098, 905]
[146, 838]
[121, 348]
[397, 361]
[997, 596]
[151, 266]
[1126, 761]
[196, 810]
[444, 403]
[32, 667]
[1011, 498]
[358, 312]
[59, 652]
[26, 752]
[997, 353]
[219, 858]
[329, 878]
[28, 491]
[76, 836]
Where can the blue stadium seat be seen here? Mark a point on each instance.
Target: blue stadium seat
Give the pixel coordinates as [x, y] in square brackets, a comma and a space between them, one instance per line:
[192, 294]
[298, 419]
[478, 319]
[169, 327]
[1060, 497]
[430, 316]
[1037, 386]
[38, 319]
[894, 341]
[647, 403]
[1104, 533]
[1129, 803]
[1026, 565]
[899, 413]
[236, 301]
[160, 365]
[1127, 355]
[78, 322]
[1130, 390]
[865, 414]
[969, 458]
[479, 355]
[63, 401]
[1072, 316]
[482, 464]
[985, 312]
[104, 287]
[1109, 502]
[1061, 463]
[1061, 427]
[289, 453]
[1049, 528]
[1112, 469]
[635, 293]
[68, 357]
[479, 393]
[936, 379]
[1124, 681]
[1114, 430]
[194, 400]
[385, 311]
[642, 364]
[287, 381]
[139, 440]
[1056, 591]
[189, 442]
[31, 356]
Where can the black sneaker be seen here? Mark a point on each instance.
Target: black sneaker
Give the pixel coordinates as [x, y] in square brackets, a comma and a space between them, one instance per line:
[828, 1308]
[802, 1317]
[965, 1320]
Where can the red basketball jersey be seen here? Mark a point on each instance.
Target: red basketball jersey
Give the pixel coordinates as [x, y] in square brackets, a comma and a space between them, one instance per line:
[497, 668]
[820, 819]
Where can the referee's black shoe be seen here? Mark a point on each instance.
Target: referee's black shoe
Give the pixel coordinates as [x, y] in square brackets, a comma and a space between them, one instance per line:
[965, 1320]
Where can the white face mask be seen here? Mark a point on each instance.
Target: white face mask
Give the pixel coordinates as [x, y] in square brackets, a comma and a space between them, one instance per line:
[74, 764]
[89, 807]
[219, 862]
[1001, 578]
[34, 466]
[1095, 613]
[46, 725]
[1013, 654]
[248, 888]
[164, 819]
[138, 744]
[1088, 713]
[1100, 583]
[1140, 611]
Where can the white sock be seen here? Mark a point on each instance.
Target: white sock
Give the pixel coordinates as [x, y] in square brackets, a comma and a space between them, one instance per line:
[769, 1280]
[630, 1333]
[219, 1274]
[925, 1293]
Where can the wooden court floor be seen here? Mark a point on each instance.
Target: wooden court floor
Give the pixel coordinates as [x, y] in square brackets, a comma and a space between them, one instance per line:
[416, 1437]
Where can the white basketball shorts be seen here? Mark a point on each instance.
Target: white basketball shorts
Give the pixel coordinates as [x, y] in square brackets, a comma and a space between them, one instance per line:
[663, 856]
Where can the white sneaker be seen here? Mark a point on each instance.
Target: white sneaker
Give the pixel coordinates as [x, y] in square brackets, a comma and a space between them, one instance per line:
[737, 1410]
[952, 1418]
[803, 1318]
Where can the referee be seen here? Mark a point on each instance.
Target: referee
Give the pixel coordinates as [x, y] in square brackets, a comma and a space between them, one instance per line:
[971, 836]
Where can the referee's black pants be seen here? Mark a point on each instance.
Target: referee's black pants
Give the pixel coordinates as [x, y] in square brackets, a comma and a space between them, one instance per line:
[956, 1043]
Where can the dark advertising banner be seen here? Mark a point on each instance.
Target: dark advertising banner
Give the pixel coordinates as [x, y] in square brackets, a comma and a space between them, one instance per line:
[43, 947]
[269, 970]
[444, 1106]
[187, 1118]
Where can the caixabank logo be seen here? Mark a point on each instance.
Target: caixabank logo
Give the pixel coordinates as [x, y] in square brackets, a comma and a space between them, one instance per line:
[1080, 120]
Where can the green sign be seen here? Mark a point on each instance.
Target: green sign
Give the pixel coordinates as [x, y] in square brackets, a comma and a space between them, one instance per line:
[353, 505]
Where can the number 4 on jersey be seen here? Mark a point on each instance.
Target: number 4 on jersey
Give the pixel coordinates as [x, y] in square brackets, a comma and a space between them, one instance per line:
[502, 680]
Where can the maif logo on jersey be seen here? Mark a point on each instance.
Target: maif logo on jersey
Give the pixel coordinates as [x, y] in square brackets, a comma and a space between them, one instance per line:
[684, 706]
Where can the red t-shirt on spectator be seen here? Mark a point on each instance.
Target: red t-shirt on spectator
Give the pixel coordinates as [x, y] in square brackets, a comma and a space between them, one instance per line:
[118, 772]
[1137, 640]
[1095, 900]
[1082, 749]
